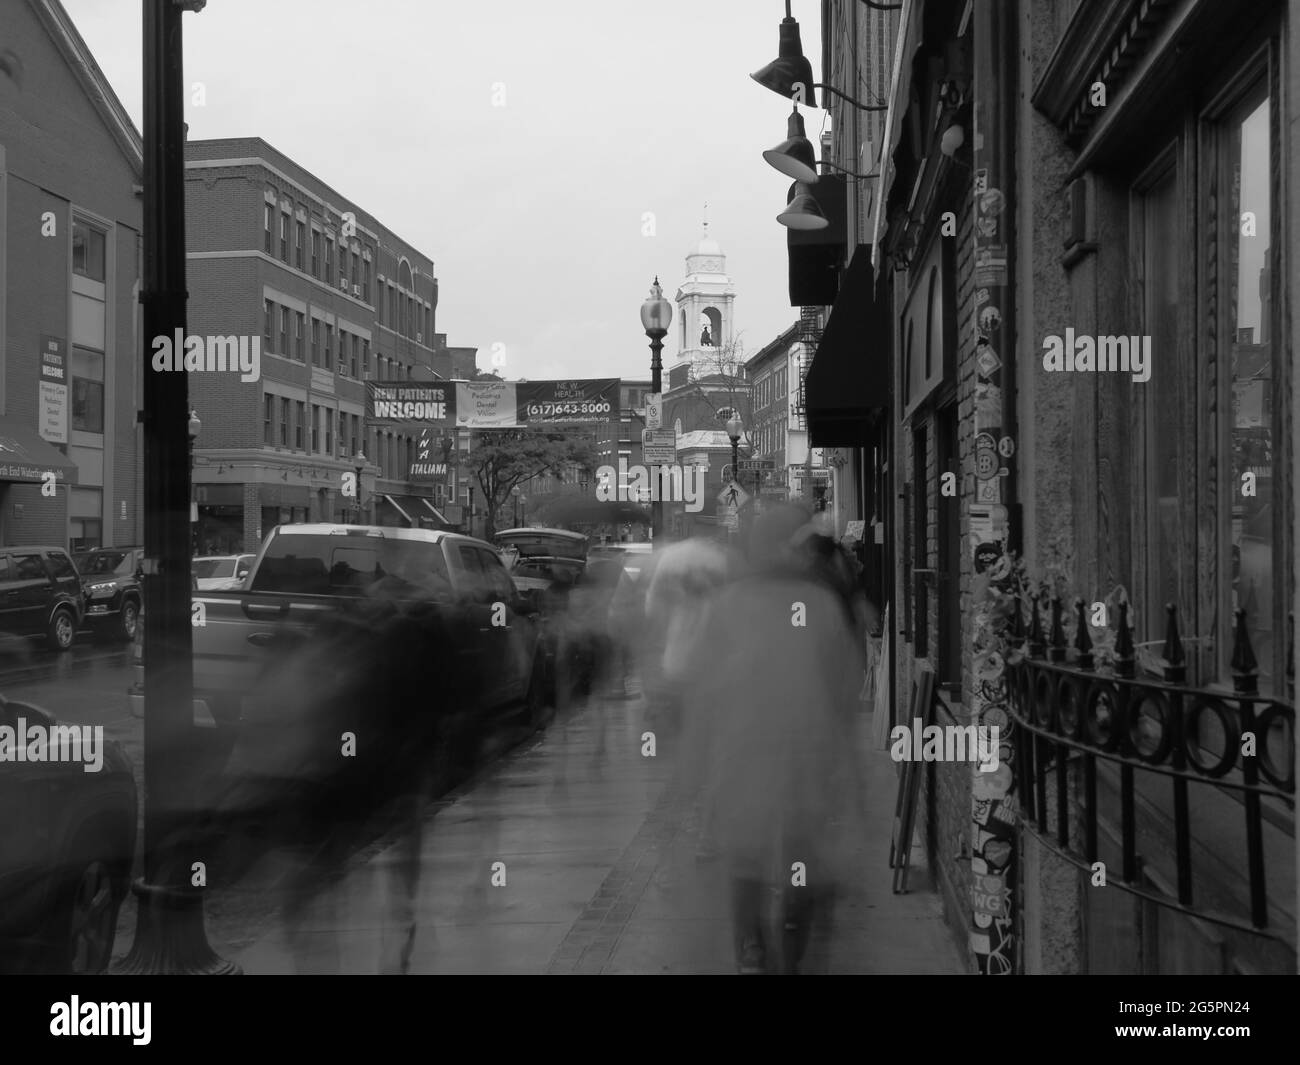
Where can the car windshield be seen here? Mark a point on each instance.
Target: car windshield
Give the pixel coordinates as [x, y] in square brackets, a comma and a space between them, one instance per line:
[348, 565]
[100, 563]
[214, 567]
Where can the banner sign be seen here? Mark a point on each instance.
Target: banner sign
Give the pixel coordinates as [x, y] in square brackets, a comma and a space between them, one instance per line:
[493, 404]
[53, 401]
[487, 405]
[568, 402]
[427, 403]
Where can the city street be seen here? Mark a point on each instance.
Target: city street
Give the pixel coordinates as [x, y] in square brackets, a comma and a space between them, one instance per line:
[599, 851]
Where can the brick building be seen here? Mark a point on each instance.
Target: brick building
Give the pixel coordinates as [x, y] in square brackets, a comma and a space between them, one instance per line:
[71, 216]
[769, 373]
[1107, 175]
[335, 299]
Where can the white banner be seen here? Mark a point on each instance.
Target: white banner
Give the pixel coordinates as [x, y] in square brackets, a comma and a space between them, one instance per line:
[487, 405]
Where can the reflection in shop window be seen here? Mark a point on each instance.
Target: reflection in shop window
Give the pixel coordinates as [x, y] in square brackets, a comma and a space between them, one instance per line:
[1246, 449]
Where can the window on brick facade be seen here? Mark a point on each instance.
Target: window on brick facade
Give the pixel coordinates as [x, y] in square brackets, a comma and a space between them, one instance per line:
[299, 234]
[329, 346]
[284, 330]
[329, 260]
[315, 428]
[356, 269]
[268, 228]
[356, 347]
[268, 325]
[299, 323]
[365, 280]
[268, 418]
[327, 416]
[315, 253]
[315, 341]
[365, 356]
[87, 250]
[284, 422]
[343, 260]
[298, 422]
[284, 237]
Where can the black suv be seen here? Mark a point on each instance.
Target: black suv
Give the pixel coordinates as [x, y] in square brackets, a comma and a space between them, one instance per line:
[111, 579]
[40, 594]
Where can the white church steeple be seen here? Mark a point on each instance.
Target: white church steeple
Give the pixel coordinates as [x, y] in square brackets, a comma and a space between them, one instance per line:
[704, 304]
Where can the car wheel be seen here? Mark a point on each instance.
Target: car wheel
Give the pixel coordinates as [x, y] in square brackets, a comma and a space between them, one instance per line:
[63, 630]
[128, 620]
[84, 922]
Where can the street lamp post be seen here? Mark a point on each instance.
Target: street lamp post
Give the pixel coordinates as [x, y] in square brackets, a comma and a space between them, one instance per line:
[515, 492]
[361, 465]
[169, 932]
[656, 316]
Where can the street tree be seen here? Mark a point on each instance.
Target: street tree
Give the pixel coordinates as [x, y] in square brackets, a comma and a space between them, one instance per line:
[500, 459]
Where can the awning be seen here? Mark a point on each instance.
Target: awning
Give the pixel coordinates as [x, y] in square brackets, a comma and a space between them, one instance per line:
[900, 99]
[25, 456]
[397, 507]
[850, 377]
[433, 510]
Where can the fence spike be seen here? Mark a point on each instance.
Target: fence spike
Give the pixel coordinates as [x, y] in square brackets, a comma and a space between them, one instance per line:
[1037, 649]
[1125, 664]
[1082, 638]
[1245, 668]
[1056, 652]
[1175, 669]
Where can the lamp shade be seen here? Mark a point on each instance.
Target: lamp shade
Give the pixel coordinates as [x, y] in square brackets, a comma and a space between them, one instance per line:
[790, 68]
[794, 156]
[734, 426]
[801, 210]
[656, 312]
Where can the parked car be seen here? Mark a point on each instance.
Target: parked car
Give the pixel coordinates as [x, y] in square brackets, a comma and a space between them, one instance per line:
[305, 571]
[635, 556]
[221, 573]
[40, 594]
[65, 864]
[111, 578]
[552, 568]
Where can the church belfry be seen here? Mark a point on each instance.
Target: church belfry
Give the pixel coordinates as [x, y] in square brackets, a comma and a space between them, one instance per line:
[704, 307]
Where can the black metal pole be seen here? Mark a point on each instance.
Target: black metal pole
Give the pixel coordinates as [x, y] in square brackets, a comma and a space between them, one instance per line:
[656, 387]
[169, 937]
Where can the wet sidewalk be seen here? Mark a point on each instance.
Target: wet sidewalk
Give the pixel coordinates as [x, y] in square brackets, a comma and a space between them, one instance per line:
[576, 854]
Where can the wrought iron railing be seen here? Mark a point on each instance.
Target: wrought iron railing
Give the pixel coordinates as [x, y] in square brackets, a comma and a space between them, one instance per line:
[1071, 713]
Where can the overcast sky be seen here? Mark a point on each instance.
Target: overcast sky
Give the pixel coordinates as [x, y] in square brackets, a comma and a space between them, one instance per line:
[531, 212]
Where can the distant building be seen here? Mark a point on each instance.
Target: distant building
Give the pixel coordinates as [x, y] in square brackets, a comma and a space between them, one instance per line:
[71, 216]
[336, 299]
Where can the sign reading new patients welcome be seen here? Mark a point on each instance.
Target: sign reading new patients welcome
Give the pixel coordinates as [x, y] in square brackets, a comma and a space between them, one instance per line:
[493, 404]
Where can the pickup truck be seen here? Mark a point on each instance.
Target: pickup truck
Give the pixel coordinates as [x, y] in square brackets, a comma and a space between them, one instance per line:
[304, 572]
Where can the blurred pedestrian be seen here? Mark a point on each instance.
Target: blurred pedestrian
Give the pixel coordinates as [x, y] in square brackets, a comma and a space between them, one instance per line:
[770, 695]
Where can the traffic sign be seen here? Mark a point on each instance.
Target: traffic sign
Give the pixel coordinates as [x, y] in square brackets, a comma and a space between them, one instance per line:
[654, 410]
[758, 464]
[659, 447]
[733, 495]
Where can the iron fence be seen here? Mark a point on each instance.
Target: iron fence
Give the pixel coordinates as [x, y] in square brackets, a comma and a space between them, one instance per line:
[1070, 713]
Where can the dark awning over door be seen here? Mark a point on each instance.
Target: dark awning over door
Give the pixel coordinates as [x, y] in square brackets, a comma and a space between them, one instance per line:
[26, 456]
[849, 381]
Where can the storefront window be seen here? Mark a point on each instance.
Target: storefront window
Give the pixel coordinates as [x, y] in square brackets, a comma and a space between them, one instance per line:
[1246, 447]
[1166, 557]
